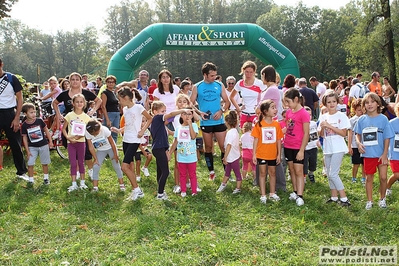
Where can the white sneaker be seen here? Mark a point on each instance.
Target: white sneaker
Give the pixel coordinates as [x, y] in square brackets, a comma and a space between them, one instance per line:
[221, 188]
[299, 201]
[369, 205]
[90, 172]
[382, 203]
[176, 189]
[24, 177]
[263, 199]
[183, 194]
[188, 185]
[145, 171]
[135, 195]
[198, 189]
[231, 179]
[138, 178]
[293, 196]
[77, 175]
[274, 197]
[122, 188]
[73, 188]
[388, 192]
[236, 191]
[83, 186]
[162, 196]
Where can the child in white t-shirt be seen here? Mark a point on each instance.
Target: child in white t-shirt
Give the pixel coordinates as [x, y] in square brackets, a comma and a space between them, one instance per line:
[232, 152]
[310, 159]
[247, 144]
[101, 144]
[333, 126]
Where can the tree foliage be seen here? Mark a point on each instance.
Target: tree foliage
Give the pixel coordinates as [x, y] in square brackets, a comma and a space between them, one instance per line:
[361, 37]
[5, 7]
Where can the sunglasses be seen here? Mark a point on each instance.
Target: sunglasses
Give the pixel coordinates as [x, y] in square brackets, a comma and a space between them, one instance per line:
[230, 83]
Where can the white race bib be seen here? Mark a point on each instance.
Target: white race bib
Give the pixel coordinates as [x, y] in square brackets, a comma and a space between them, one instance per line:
[35, 134]
[396, 143]
[268, 135]
[370, 136]
[184, 134]
[78, 128]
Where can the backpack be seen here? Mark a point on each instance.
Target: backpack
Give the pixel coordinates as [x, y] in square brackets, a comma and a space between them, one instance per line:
[9, 77]
[363, 90]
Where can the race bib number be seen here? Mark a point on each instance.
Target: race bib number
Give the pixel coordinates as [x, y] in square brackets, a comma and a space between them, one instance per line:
[396, 143]
[184, 135]
[78, 128]
[370, 136]
[268, 135]
[35, 134]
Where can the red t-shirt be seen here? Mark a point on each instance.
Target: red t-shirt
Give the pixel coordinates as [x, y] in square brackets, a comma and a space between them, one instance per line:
[151, 90]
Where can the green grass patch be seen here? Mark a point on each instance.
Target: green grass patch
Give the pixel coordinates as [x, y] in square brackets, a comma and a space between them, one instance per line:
[46, 225]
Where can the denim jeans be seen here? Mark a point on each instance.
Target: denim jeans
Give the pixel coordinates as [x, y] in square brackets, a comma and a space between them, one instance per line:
[114, 117]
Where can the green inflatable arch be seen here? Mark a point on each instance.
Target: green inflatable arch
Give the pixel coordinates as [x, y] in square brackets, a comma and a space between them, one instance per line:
[168, 36]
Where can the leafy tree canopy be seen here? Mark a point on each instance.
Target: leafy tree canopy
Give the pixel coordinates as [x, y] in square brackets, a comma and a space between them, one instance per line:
[5, 7]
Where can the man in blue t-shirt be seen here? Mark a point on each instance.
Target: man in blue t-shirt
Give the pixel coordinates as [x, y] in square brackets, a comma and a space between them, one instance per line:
[208, 93]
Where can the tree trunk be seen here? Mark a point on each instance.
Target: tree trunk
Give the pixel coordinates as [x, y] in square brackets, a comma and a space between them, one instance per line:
[390, 47]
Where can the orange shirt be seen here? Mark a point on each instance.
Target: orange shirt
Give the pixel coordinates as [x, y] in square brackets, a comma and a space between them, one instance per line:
[122, 122]
[375, 88]
[267, 136]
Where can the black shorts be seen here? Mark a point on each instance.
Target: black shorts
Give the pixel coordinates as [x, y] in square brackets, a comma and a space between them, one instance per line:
[138, 154]
[266, 162]
[214, 128]
[356, 158]
[88, 155]
[310, 163]
[199, 143]
[129, 150]
[290, 155]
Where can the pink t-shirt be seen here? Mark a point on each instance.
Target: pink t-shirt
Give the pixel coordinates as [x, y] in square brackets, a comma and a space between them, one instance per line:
[273, 93]
[169, 99]
[294, 122]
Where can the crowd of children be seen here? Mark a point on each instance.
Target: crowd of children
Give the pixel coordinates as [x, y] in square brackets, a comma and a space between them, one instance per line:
[371, 140]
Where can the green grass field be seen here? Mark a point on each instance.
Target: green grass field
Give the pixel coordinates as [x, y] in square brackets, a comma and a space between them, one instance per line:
[45, 225]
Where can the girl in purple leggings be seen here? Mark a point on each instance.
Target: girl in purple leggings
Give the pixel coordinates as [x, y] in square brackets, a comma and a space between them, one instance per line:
[232, 152]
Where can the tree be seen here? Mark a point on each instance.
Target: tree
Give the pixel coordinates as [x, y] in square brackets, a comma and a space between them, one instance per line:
[125, 21]
[373, 46]
[5, 7]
